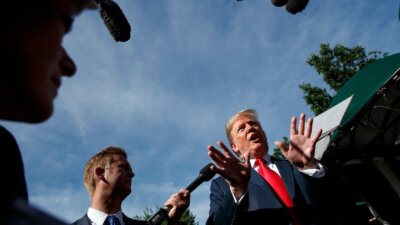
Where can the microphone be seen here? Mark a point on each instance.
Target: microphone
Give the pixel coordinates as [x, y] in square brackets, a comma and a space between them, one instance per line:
[115, 20]
[295, 6]
[205, 174]
[279, 3]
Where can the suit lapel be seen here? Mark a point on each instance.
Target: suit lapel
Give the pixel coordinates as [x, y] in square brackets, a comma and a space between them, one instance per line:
[285, 169]
[258, 180]
[84, 220]
[261, 194]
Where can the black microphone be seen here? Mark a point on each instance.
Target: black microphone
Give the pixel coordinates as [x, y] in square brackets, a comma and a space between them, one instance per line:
[115, 20]
[205, 174]
[295, 6]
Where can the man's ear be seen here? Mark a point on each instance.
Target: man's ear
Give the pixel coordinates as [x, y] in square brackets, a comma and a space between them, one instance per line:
[235, 148]
[99, 172]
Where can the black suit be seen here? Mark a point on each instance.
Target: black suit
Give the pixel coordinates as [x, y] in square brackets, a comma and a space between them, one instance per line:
[14, 206]
[12, 169]
[318, 200]
[128, 221]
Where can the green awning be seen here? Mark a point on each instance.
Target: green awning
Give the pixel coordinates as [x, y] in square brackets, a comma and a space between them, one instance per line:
[365, 84]
[371, 123]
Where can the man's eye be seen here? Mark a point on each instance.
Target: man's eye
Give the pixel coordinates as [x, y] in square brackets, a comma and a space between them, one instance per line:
[67, 21]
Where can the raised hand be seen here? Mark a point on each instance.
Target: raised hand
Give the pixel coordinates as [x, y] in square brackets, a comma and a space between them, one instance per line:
[301, 149]
[236, 173]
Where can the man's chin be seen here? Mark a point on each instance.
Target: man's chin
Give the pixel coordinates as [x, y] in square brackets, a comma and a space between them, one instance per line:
[257, 145]
[40, 115]
[259, 148]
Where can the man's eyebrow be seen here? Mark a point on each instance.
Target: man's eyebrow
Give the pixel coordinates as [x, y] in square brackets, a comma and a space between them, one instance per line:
[240, 126]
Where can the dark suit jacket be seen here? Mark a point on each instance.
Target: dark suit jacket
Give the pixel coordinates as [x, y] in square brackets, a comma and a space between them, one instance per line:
[14, 205]
[128, 221]
[13, 172]
[317, 200]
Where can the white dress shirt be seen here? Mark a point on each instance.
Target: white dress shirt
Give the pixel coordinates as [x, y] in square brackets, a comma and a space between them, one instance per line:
[98, 217]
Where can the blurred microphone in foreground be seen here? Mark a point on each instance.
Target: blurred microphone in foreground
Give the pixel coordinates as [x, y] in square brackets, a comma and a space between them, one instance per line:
[115, 20]
[205, 174]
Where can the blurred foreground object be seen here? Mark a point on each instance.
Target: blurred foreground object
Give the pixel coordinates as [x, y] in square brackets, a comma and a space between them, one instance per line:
[115, 20]
[295, 6]
[279, 3]
[292, 6]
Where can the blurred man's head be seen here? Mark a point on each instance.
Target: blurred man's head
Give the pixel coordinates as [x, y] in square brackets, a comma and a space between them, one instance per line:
[32, 57]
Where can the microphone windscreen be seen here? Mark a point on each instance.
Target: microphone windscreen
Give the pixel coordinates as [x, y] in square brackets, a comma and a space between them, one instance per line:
[295, 6]
[115, 20]
[279, 3]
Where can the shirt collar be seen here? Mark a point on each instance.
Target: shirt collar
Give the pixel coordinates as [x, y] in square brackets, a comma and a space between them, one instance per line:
[98, 217]
[267, 159]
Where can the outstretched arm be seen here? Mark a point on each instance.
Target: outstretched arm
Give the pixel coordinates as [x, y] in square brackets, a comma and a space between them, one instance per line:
[301, 149]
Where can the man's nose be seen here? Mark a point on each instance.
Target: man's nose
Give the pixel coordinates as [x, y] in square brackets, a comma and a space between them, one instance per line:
[131, 173]
[249, 127]
[67, 65]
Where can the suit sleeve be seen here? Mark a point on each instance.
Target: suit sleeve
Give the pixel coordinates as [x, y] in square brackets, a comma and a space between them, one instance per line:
[223, 210]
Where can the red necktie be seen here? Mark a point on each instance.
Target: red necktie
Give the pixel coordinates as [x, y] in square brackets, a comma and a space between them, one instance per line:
[276, 182]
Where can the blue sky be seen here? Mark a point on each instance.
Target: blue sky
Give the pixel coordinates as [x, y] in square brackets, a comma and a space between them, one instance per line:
[167, 93]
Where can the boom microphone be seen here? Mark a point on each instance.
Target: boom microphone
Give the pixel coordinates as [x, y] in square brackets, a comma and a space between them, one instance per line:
[295, 6]
[205, 174]
[115, 20]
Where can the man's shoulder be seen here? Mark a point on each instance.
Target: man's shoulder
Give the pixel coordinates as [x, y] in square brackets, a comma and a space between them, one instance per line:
[6, 137]
[220, 181]
[84, 220]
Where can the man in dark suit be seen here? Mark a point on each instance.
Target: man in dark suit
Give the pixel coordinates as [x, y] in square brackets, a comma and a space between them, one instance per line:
[107, 177]
[241, 195]
[33, 63]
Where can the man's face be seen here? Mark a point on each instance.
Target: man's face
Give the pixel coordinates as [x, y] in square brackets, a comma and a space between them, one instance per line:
[248, 136]
[119, 175]
[38, 63]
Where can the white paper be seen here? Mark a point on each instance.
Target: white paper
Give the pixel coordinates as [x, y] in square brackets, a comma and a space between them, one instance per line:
[328, 121]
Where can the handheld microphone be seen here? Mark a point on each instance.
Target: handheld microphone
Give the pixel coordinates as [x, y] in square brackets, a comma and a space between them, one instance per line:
[205, 174]
[115, 20]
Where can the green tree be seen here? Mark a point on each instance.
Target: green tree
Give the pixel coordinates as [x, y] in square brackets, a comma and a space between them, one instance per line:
[336, 65]
[277, 151]
[187, 218]
[147, 213]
